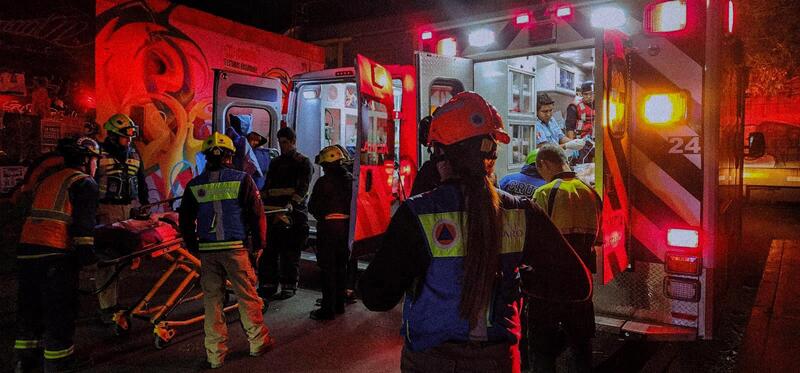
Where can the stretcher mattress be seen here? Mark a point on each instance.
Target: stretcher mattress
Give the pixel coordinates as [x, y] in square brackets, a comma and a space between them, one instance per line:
[132, 235]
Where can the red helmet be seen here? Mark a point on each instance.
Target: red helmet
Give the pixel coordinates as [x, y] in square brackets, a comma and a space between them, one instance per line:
[466, 115]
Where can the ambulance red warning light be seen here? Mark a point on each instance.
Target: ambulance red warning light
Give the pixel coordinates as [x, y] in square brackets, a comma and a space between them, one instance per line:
[563, 11]
[688, 238]
[665, 16]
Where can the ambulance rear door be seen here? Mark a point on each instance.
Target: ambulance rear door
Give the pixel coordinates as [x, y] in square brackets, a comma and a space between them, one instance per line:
[252, 99]
[374, 163]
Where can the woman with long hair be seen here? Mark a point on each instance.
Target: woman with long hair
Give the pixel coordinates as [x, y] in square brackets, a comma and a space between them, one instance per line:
[456, 254]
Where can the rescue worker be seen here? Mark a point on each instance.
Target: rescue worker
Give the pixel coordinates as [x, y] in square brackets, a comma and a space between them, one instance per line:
[330, 205]
[575, 209]
[525, 182]
[256, 142]
[287, 185]
[546, 128]
[584, 115]
[57, 237]
[220, 208]
[122, 188]
[455, 253]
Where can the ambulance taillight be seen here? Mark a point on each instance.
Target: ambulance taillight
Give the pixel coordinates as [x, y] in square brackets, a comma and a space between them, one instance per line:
[665, 16]
[679, 288]
[682, 264]
[683, 256]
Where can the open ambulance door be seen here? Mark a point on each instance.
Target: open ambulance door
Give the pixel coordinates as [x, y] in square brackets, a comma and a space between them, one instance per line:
[614, 175]
[374, 164]
[254, 102]
[440, 78]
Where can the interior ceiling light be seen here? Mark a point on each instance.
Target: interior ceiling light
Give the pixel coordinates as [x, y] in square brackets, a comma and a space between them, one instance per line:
[481, 38]
[608, 17]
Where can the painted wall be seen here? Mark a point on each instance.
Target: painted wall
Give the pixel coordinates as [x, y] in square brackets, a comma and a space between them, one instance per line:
[154, 62]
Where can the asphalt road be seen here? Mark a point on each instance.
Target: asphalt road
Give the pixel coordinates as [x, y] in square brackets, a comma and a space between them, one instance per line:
[364, 341]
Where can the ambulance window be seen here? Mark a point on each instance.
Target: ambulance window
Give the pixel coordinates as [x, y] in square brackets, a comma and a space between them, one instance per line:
[378, 136]
[521, 92]
[521, 142]
[250, 119]
[442, 90]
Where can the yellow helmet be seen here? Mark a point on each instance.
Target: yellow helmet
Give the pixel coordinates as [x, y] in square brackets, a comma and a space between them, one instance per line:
[218, 141]
[330, 154]
[121, 125]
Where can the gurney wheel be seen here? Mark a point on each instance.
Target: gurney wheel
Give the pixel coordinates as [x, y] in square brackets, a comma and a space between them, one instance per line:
[160, 343]
[122, 323]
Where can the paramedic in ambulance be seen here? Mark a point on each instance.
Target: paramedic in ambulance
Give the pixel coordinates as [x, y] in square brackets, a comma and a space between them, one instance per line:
[287, 185]
[57, 238]
[330, 205]
[575, 209]
[120, 178]
[547, 129]
[580, 117]
[220, 208]
[455, 254]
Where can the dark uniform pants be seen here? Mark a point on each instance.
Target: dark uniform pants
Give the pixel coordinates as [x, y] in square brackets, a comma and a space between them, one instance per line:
[554, 329]
[47, 303]
[280, 263]
[462, 357]
[332, 258]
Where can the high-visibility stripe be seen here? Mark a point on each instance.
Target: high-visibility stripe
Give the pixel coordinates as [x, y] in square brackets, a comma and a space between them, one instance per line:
[647, 233]
[280, 192]
[446, 235]
[59, 354]
[63, 193]
[24, 344]
[218, 191]
[37, 256]
[337, 216]
[667, 189]
[53, 215]
[221, 245]
[77, 241]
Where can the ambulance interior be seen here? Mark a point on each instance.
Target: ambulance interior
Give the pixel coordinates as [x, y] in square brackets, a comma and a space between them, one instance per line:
[512, 84]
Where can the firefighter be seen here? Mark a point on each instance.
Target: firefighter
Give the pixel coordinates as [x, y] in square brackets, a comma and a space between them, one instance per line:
[287, 185]
[57, 237]
[575, 208]
[462, 293]
[525, 182]
[122, 188]
[330, 205]
[219, 208]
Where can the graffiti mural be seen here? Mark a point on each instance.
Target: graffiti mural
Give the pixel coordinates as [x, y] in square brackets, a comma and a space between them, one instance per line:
[154, 61]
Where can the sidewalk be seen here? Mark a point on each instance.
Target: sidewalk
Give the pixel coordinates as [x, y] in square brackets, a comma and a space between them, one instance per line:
[772, 339]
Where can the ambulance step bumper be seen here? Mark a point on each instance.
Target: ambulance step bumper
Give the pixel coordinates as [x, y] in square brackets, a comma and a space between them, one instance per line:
[641, 330]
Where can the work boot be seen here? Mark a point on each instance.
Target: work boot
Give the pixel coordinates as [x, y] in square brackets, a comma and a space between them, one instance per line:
[107, 314]
[285, 294]
[266, 347]
[320, 315]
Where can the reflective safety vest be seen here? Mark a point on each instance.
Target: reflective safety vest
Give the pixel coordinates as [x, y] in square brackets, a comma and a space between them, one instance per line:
[220, 223]
[431, 315]
[573, 206]
[51, 212]
[585, 119]
[117, 180]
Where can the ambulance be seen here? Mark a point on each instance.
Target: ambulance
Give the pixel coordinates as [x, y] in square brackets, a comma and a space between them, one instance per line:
[665, 152]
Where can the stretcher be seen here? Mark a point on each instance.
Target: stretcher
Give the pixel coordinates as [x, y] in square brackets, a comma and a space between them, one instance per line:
[143, 239]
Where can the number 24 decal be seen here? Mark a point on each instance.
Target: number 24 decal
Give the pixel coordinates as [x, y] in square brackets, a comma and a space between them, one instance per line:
[684, 145]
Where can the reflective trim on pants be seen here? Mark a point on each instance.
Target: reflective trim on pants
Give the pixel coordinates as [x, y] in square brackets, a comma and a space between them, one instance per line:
[59, 354]
[22, 344]
[235, 266]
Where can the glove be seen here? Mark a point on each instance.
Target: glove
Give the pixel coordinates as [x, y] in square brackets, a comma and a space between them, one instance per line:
[576, 144]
